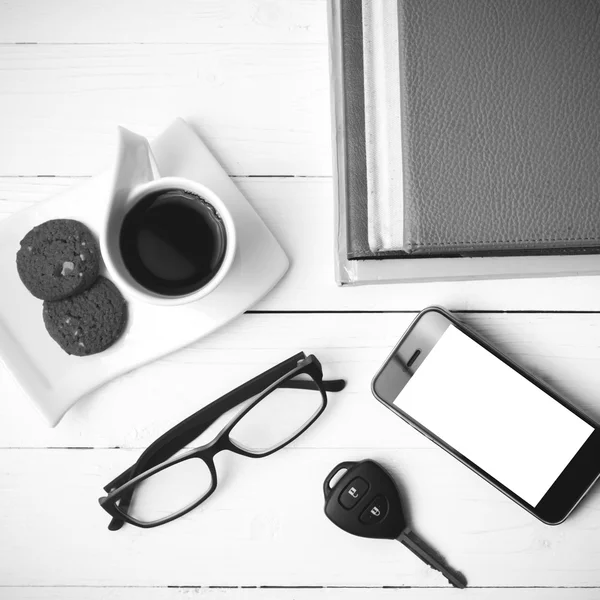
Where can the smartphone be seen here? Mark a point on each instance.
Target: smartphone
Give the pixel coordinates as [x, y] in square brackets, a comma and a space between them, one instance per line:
[506, 425]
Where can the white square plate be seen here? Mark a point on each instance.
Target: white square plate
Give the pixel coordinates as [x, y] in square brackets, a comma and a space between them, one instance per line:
[53, 379]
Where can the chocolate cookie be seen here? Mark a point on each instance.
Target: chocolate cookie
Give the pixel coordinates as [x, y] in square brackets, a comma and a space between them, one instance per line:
[89, 322]
[57, 259]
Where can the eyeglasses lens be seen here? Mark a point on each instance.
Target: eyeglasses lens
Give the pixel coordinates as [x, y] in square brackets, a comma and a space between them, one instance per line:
[276, 419]
[170, 491]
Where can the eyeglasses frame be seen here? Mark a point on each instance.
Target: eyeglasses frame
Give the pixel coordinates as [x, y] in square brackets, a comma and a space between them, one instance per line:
[306, 365]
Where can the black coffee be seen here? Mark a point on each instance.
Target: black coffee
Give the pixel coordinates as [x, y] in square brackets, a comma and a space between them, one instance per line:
[172, 242]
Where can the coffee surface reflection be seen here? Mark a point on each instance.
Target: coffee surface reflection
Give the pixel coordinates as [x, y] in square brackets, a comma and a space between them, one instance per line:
[173, 242]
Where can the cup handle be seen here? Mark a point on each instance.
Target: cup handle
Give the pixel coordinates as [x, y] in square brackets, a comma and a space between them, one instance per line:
[135, 166]
[153, 165]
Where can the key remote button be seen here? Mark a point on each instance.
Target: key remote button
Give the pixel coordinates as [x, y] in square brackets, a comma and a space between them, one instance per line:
[375, 512]
[353, 492]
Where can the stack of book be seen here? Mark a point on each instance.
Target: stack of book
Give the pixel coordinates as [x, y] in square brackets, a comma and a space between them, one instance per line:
[466, 138]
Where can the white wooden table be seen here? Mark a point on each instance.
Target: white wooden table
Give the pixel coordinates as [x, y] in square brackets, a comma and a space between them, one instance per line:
[253, 74]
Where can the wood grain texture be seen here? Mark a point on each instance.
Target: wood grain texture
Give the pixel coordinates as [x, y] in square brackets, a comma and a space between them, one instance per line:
[156, 21]
[299, 211]
[265, 526]
[78, 593]
[135, 409]
[261, 108]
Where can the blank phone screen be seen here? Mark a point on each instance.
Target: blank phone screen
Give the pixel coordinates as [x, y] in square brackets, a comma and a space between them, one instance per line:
[493, 416]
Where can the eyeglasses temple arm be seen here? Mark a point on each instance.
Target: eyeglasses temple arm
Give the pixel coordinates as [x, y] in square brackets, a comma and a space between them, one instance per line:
[332, 385]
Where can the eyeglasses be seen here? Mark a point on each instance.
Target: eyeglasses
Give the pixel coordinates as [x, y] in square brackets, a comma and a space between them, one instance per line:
[161, 487]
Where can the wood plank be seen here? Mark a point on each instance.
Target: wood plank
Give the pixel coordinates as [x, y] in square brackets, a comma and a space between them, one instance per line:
[135, 409]
[265, 526]
[78, 593]
[263, 109]
[299, 211]
[147, 21]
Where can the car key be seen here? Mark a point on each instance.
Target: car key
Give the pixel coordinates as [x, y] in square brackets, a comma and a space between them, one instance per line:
[366, 502]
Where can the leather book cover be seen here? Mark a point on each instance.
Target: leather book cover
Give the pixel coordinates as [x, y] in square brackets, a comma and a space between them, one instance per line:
[350, 270]
[500, 126]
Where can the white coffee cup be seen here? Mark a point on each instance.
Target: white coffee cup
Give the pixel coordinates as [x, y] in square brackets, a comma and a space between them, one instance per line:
[136, 178]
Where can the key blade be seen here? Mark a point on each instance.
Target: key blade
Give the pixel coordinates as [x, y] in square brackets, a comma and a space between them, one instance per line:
[432, 558]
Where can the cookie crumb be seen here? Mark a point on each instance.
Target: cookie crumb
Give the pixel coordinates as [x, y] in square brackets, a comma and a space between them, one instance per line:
[67, 268]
